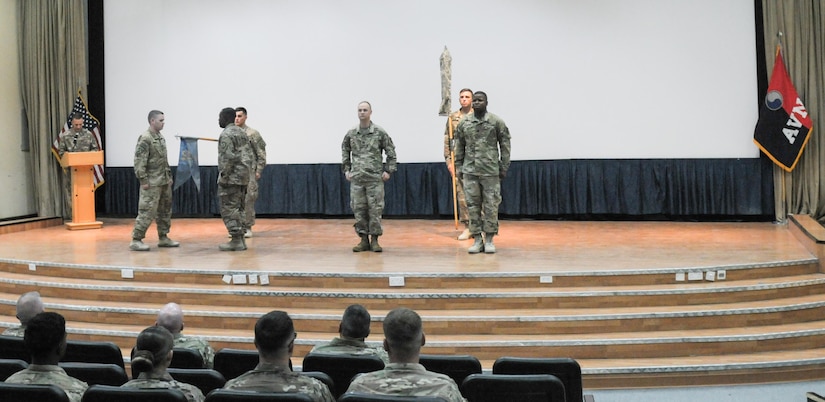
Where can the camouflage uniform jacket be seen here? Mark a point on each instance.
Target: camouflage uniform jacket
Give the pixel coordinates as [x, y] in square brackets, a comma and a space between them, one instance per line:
[199, 344]
[453, 119]
[151, 163]
[407, 379]
[235, 156]
[50, 374]
[361, 153]
[192, 393]
[15, 331]
[482, 146]
[80, 141]
[258, 148]
[349, 346]
[267, 377]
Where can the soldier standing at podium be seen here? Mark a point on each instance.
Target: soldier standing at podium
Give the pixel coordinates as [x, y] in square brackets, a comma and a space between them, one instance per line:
[155, 176]
[77, 139]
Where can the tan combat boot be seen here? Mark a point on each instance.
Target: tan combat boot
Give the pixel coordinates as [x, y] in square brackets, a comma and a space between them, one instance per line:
[374, 246]
[165, 241]
[137, 245]
[489, 247]
[478, 245]
[364, 245]
[236, 244]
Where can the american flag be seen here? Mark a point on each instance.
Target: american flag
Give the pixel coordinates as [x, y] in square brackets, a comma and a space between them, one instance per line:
[90, 123]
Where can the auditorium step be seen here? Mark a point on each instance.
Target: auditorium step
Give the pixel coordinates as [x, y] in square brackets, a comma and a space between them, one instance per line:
[759, 320]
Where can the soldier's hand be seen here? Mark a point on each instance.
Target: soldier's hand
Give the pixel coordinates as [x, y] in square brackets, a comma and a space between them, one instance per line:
[502, 174]
[451, 168]
[144, 186]
[385, 176]
[348, 175]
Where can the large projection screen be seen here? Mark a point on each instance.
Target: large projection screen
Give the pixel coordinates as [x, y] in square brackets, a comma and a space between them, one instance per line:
[573, 79]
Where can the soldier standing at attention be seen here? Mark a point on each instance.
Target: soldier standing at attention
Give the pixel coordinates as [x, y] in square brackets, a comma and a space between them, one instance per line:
[362, 154]
[45, 340]
[482, 155]
[77, 139]
[259, 150]
[465, 98]
[404, 375]
[152, 170]
[235, 160]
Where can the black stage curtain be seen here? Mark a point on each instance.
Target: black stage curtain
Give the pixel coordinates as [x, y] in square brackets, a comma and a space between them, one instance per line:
[727, 189]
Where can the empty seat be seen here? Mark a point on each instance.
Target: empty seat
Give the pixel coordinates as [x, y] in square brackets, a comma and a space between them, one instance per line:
[232, 395]
[11, 366]
[96, 373]
[234, 362]
[108, 393]
[205, 379]
[359, 397]
[12, 347]
[566, 369]
[458, 367]
[513, 388]
[31, 393]
[341, 368]
[93, 352]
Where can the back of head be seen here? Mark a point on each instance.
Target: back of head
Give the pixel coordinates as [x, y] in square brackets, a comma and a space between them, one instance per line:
[356, 322]
[404, 333]
[153, 114]
[44, 335]
[170, 317]
[274, 332]
[152, 348]
[29, 305]
[226, 116]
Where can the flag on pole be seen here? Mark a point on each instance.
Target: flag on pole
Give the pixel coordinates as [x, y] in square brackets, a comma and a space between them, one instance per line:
[784, 125]
[188, 163]
[90, 123]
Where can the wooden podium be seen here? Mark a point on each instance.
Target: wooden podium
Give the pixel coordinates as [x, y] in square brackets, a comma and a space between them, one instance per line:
[83, 188]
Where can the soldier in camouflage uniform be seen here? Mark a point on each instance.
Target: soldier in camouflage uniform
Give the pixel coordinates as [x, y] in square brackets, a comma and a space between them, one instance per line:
[465, 97]
[170, 317]
[152, 170]
[77, 139]
[353, 330]
[258, 165]
[362, 154]
[151, 358]
[482, 155]
[235, 164]
[275, 340]
[28, 305]
[404, 375]
[45, 339]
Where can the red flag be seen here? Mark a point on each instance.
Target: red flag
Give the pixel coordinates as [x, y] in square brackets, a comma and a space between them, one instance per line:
[784, 125]
[90, 123]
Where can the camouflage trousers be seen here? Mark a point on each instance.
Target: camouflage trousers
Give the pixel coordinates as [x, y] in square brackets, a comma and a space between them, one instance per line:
[367, 203]
[68, 197]
[483, 194]
[233, 200]
[155, 204]
[463, 216]
[251, 197]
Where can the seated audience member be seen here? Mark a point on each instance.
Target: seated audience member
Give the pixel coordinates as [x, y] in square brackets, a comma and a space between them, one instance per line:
[275, 339]
[153, 353]
[353, 329]
[404, 376]
[45, 339]
[28, 305]
[171, 318]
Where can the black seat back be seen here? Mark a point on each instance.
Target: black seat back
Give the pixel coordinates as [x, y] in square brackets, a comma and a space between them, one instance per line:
[513, 388]
[205, 379]
[30, 393]
[108, 393]
[93, 352]
[566, 369]
[11, 366]
[458, 367]
[96, 373]
[231, 395]
[341, 368]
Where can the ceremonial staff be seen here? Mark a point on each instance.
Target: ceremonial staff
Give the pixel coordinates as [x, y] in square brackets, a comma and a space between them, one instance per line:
[446, 77]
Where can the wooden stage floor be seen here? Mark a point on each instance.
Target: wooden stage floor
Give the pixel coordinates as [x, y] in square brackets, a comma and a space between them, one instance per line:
[417, 246]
